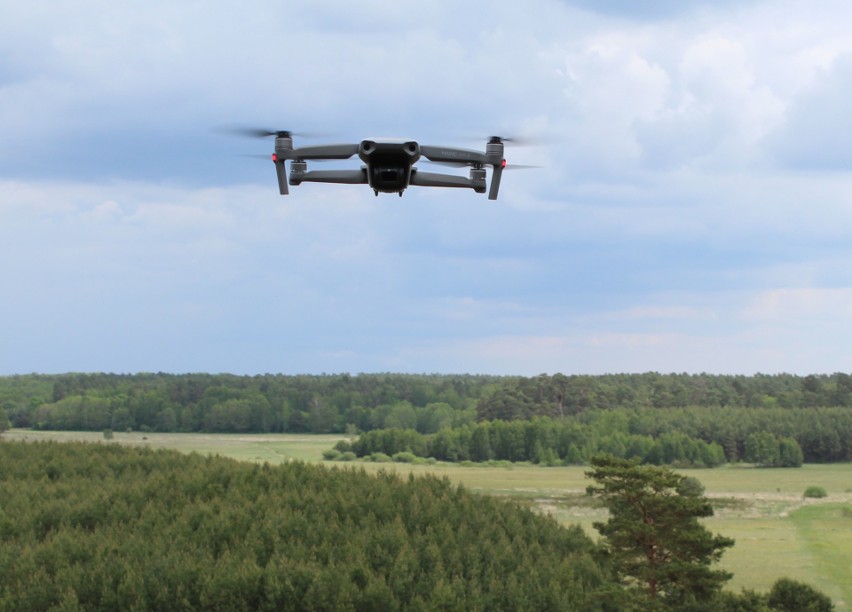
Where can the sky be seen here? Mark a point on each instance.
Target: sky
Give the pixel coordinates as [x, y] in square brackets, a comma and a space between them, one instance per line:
[691, 212]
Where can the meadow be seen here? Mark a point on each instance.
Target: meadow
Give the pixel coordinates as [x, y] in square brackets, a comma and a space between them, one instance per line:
[777, 531]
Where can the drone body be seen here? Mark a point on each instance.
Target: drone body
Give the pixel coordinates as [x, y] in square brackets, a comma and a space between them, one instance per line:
[388, 165]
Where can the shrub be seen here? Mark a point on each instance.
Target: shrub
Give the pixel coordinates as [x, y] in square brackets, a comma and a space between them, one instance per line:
[404, 457]
[380, 457]
[792, 596]
[815, 492]
[344, 446]
[330, 454]
[348, 456]
[690, 487]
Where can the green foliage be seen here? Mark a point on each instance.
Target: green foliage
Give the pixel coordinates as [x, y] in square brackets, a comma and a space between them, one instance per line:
[658, 547]
[390, 442]
[404, 457]
[344, 446]
[331, 454]
[746, 601]
[661, 418]
[789, 595]
[110, 527]
[559, 395]
[542, 441]
[762, 449]
[767, 450]
[815, 411]
[690, 487]
[222, 402]
[816, 492]
[789, 453]
[4, 421]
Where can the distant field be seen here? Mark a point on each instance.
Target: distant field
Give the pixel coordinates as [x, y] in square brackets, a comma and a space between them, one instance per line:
[273, 448]
[777, 532]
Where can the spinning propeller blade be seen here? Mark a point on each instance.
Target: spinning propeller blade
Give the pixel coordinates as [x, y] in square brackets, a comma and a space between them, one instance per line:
[252, 132]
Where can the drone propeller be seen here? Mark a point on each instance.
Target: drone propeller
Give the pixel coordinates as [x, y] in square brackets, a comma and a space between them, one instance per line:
[266, 157]
[250, 132]
[510, 140]
[261, 133]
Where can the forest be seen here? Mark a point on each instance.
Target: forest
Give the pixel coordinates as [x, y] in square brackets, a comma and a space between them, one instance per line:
[700, 420]
[88, 526]
[550, 442]
[102, 526]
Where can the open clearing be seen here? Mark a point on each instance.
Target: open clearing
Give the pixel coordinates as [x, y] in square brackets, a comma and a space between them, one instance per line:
[777, 532]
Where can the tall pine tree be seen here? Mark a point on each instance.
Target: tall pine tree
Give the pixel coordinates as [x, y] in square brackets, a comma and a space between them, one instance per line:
[659, 549]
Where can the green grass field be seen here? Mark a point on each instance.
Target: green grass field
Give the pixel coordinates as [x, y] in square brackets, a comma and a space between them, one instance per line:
[777, 532]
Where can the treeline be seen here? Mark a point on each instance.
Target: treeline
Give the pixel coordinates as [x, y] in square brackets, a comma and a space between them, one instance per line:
[328, 403]
[542, 441]
[104, 527]
[775, 437]
[560, 395]
[633, 411]
[228, 403]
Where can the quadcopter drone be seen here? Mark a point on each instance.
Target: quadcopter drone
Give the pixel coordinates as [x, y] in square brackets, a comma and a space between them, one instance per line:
[388, 164]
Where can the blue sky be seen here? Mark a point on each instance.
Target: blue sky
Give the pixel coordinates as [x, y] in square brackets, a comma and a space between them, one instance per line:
[693, 212]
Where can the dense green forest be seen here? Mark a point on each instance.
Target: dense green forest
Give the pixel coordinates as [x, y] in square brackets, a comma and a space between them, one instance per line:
[689, 437]
[542, 441]
[628, 415]
[110, 527]
[227, 403]
[87, 526]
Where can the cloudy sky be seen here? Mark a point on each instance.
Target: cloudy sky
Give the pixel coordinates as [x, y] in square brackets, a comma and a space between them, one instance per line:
[693, 211]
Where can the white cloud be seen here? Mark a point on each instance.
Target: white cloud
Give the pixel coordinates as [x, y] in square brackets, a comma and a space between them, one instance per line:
[812, 306]
[666, 230]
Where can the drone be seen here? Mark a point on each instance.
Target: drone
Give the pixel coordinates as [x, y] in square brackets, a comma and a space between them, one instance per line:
[388, 164]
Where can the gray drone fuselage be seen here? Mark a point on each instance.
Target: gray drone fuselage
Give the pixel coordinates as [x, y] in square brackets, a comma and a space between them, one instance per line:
[388, 165]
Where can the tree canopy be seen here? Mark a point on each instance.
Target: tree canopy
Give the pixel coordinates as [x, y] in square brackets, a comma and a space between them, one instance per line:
[102, 526]
[658, 548]
[623, 411]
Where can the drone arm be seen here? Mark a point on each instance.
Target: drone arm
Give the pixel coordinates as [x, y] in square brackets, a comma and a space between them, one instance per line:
[432, 179]
[345, 177]
[452, 155]
[338, 151]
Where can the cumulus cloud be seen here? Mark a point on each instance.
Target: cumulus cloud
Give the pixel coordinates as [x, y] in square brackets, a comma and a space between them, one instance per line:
[815, 134]
[692, 211]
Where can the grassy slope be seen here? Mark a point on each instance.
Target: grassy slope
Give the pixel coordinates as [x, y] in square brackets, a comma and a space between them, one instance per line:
[825, 531]
[777, 532]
